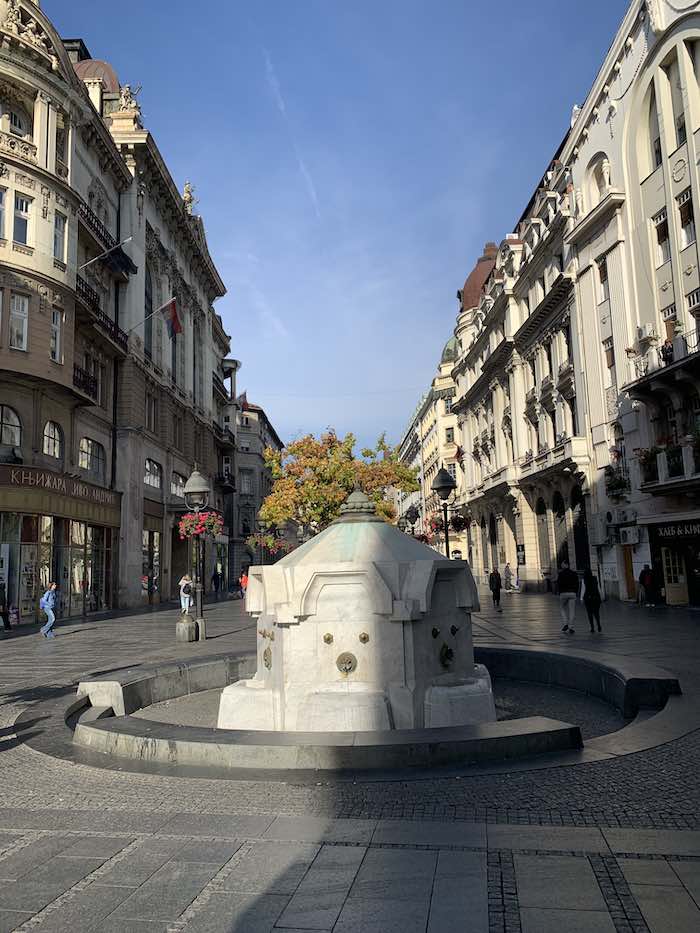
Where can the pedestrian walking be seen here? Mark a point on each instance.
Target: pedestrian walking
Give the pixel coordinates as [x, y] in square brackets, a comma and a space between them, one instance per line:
[646, 586]
[243, 581]
[590, 597]
[185, 585]
[567, 587]
[216, 583]
[4, 613]
[508, 578]
[48, 604]
[495, 587]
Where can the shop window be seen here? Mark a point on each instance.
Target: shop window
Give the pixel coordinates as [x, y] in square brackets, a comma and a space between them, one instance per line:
[91, 457]
[663, 243]
[59, 237]
[19, 321]
[449, 435]
[20, 233]
[53, 440]
[55, 344]
[153, 474]
[687, 218]
[10, 427]
[177, 485]
[604, 284]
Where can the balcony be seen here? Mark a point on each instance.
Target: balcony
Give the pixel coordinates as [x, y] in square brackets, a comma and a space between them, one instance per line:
[226, 481]
[659, 371]
[569, 454]
[91, 300]
[219, 387]
[674, 469]
[96, 227]
[84, 382]
[14, 145]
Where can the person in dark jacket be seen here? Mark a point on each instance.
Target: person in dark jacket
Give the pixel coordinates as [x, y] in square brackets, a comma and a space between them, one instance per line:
[591, 599]
[567, 587]
[495, 587]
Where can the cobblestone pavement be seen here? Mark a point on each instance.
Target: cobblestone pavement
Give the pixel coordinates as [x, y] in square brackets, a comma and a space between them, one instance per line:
[589, 846]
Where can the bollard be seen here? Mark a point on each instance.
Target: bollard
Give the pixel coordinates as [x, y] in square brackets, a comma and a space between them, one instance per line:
[185, 630]
[201, 627]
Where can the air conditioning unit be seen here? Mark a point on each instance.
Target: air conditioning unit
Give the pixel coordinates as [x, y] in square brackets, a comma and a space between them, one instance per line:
[646, 332]
[598, 531]
[629, 535]
[621, 516]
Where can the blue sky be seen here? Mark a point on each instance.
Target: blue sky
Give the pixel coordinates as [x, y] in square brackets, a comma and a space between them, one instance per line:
[350, 160]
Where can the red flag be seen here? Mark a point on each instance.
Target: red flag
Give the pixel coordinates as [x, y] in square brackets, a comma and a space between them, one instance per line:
[172, 321]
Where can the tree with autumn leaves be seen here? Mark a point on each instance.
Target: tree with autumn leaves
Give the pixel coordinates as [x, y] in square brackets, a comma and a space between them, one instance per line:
[312, 477]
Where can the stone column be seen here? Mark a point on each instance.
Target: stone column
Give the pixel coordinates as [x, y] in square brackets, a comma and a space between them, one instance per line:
[51, 138]
[618, 316]
[39, 132]
[501, 454]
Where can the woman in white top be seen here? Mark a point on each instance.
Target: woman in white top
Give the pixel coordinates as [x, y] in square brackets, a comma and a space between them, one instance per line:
[185, 585]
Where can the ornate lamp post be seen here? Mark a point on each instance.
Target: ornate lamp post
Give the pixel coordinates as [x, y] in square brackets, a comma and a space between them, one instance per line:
[444, 485]
[412, 516]
[197, 498]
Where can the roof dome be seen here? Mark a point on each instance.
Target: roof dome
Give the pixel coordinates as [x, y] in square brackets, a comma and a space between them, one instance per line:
[477, 277]
[92, 69]
[449, 353]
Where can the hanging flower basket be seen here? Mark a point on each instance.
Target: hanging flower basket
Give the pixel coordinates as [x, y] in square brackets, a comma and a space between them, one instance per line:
[458, 522]
[270, 543]
[436, 525]
[197, 525]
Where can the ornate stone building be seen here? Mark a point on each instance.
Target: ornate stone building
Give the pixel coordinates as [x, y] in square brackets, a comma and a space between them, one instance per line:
[577, 380]
[101, 416]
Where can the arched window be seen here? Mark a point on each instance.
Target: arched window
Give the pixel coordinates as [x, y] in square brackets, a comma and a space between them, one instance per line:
[655, 152]
[147, 316]
[153, 474]
[53, 440]
[19, 123]
[10, 427]
[91, 457]
[618, 454]
[598, 179]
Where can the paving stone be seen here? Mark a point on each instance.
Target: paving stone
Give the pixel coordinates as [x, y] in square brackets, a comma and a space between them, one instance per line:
[537, 920]
[85, 911]
[654, 841]
[320, 896]
[7, 839]
[460, 890]
[667, 909]
[689, 874]
[81, 820]
[271, 868]
[318, 829]
[28, 895]
[211, 850]
[133, 926]
[168, 892]
[65, 871]
[429, 832]
[368, 915]
[28, 857]
[557, 881]
[238, 913]
[97, 846]
[11, 919]
[135, 870]
[395, 874]
[648, 871]
[216, 824]
[551, 838]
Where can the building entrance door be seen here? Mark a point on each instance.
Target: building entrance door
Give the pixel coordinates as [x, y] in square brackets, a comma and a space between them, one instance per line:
[675, 579]
[630, 583]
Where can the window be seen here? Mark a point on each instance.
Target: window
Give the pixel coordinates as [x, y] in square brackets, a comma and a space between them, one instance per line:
[20, 233]
[693, 300]
[687, 218]
[153, 474]
[452, 470]
[548, 354]
[177, 485]
[669, 317]
[572, 410]
[91, 457]
[656, 152]
[55, 343]
[177, 432]
[147, 316]
[663, 244]
[681, 134]
[59, 237]
[448, 405]
[53, 445]
[246, 483]
[151, 413]
[19, 320]
[2, 213]
[604, 294]
[533, 370]
[449, 435]
[96, 368]
[10, 427]
[18, 123]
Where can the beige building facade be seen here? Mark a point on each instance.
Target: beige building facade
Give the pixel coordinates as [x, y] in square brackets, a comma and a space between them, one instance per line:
[102, 416]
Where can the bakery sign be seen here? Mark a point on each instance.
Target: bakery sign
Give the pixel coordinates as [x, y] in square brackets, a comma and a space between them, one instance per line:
[58, 483]
[678, 530]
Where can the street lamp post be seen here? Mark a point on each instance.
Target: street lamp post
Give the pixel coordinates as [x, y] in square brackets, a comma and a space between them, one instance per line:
[262, 528]
[412, 516]
[197, 498]
[444, 485]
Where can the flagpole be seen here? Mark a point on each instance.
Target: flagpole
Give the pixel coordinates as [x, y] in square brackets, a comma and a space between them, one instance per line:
[157, 311]
[106, 253]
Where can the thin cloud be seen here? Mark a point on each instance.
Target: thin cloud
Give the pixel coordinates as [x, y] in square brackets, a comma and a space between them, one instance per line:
[276, 92]
[276, 324]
